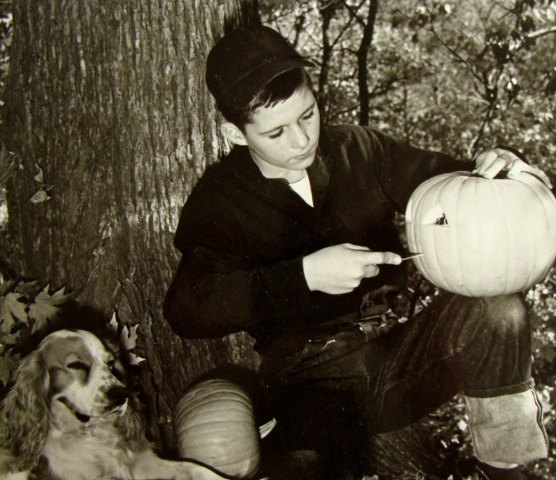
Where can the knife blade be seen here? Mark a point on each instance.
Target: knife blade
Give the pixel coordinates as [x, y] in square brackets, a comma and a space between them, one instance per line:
[412, 255]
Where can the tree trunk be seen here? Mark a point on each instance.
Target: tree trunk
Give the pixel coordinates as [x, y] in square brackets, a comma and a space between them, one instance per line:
[362, 60]
[108, 100]
[327, 10]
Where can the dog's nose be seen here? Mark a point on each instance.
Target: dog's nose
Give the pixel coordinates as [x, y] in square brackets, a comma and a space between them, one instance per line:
[117, 395]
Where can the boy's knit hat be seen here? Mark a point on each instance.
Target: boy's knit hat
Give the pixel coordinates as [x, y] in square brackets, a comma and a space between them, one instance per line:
[246, 59]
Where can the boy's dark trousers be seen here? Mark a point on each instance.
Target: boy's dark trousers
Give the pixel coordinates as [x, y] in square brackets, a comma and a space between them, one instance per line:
[331, 389]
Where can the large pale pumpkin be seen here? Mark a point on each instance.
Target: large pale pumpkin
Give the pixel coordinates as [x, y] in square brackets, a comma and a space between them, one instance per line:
[482, 237]
[214, 423]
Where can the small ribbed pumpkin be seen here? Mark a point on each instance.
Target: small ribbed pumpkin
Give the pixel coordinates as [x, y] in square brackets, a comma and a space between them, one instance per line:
[482, 237]
[215, 424]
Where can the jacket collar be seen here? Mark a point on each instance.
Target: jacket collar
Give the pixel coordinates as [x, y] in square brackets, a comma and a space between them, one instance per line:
[319, 176]
[277, 191]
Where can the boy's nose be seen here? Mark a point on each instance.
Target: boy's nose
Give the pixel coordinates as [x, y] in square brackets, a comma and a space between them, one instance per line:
[299, 138]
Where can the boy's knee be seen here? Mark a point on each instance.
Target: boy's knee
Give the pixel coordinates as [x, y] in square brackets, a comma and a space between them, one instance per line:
[495, 346]
[506, 314]
[482, 323]
[503, 310]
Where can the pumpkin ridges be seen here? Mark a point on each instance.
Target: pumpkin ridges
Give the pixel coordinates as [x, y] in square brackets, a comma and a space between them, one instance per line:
[461, 213]
[202, 419]
[203, 395]
[511, 246]
[223, 459]
[193, 422]
[433, 201]
[531, 264]
[208, 400]
[516, 252]
[472, 235]
[416, 203]
[215, 424]
[504, 262]
[208, 389]
[225, 450]
[460, 182]
[224, 446]
[449, 228]
[543, 205]
[492, 192]
[215, 406]
[438, 200]
[235, 413]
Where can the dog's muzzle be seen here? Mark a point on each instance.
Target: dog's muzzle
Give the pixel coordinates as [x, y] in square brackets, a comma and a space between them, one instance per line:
[82, 417]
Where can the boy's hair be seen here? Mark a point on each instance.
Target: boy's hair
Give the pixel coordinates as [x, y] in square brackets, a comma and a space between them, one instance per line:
[242, 67]
[277, 90]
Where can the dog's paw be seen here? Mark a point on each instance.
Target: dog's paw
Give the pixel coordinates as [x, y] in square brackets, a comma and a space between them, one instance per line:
[9, 473]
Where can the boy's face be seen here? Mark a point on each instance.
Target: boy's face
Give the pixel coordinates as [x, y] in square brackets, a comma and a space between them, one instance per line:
[284, 137]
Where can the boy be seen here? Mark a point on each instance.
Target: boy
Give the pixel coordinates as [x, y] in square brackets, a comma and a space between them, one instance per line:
[290, 238]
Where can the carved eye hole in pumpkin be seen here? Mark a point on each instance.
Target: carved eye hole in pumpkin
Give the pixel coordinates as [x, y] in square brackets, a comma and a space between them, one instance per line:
[435, 216]
[442, 220]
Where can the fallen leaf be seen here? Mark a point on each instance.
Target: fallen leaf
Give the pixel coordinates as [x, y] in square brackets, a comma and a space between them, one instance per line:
[134, 359]
[39, 196]
[113, 323]
[12, 312]
[128, 337]
[27, 287]
[46, 307]
[128, 340]
[39, 177]
[8, 365]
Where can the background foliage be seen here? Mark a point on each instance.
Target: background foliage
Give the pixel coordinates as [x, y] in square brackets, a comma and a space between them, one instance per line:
[459, 76]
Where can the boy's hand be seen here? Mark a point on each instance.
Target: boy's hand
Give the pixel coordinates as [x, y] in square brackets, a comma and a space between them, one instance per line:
[491, 163]
[340, 268]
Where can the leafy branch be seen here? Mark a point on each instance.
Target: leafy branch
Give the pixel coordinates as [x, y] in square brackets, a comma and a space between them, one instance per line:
[26, 310]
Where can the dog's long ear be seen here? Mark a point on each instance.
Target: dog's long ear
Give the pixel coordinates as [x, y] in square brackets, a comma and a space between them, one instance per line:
[25, 414]
[132, 424]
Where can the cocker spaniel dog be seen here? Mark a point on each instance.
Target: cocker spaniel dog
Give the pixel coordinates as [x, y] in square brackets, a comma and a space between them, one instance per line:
[69, 406]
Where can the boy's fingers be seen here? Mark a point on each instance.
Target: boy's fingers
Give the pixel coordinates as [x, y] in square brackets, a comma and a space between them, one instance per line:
[484, 159]
[360, 248]
[377, 258]
[371, 271]
[516, 170]
[491, 168]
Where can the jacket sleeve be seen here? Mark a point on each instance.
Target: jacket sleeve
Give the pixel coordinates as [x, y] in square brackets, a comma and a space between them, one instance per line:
[401, 168]
[215, 291]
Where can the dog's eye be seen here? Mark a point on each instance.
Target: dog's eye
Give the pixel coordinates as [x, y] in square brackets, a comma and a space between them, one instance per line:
[77, 365]
[115, 369]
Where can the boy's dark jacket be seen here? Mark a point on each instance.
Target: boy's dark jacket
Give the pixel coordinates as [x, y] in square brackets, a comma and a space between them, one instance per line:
[243, 236]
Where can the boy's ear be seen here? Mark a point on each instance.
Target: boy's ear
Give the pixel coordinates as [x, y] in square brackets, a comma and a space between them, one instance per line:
[232, 133]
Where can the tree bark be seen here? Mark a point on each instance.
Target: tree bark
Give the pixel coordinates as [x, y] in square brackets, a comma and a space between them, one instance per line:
[108, 100]
[327, 10]
[362, 60]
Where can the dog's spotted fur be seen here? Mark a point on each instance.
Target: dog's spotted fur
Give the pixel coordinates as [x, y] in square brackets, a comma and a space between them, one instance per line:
[70, 406]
